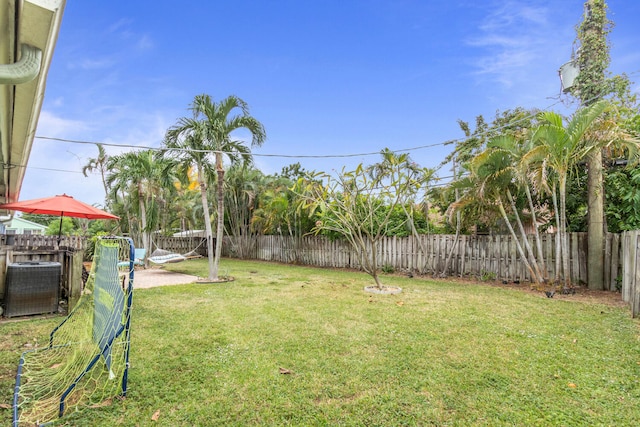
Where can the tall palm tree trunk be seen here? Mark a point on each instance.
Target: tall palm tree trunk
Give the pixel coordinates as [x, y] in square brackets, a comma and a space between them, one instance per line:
[534, 219]
[563, 232]
[207, 224]
[595, 236]
[558, 260]
[523, 256]
[531, 255]
[143, 220]
[220, 226]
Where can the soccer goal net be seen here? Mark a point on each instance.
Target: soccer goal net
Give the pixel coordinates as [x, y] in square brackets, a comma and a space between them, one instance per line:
[86, 360]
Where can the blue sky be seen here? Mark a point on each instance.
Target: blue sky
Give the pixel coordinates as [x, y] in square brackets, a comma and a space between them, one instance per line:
[326, 78]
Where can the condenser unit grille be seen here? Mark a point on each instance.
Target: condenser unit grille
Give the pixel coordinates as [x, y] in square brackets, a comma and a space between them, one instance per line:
[32, 288]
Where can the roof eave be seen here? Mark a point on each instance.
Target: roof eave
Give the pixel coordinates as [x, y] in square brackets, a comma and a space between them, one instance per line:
[37, 23]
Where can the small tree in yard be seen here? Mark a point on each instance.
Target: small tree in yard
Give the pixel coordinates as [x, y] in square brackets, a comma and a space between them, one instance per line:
[359, 204]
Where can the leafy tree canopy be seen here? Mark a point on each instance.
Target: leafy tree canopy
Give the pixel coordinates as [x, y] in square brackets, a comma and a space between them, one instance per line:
[68, 228]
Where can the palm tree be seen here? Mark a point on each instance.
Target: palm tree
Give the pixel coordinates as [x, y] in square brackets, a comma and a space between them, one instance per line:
[560, 148]
[99, 164]
[193, 140]
[514, 148]
[276, 209]
[243, 187]
[493, 175]
[183, 206]
[141, 175]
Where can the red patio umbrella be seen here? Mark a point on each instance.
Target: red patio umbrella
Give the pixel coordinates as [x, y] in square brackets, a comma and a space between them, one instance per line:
[62, 205]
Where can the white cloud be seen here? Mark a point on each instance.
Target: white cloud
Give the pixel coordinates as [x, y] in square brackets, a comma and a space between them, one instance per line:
[116, 26]
[503, 41]
[93, 64]
[56, 166]
[513, 15]
[145, 42]
[54, 126]
[511, 38]
[58, 102]
[521, 45]
[500, 63]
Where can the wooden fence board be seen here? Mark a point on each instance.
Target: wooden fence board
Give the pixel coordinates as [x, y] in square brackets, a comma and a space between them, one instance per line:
[614, 270]
[635, 305]
[607, 260]
[573, 262]
[461, 253]
[548, 249]
[582, 254]
[627, 267]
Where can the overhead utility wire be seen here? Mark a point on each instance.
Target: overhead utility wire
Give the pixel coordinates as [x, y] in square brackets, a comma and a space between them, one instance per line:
[328, 156]
[11, 166]
[301, 156]
[296, 156]
[190, 150]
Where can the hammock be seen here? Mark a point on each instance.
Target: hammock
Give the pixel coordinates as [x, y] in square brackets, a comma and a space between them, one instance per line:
[160, 256]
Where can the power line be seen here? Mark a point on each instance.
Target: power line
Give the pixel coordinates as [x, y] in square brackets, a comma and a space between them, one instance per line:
[307, 156]
[11, 166]
[190, 150]
[50, 169]
[294, 156]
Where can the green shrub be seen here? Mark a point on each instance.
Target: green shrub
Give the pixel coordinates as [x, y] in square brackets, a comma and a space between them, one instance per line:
[487, 276]
[388, 269]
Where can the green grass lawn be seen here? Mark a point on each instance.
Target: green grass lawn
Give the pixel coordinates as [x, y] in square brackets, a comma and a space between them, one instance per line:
[441, 353]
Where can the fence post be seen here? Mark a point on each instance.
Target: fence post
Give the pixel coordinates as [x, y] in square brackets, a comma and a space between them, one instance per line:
[628, 267]
[635, 286]
[75, 279]
[614, 277]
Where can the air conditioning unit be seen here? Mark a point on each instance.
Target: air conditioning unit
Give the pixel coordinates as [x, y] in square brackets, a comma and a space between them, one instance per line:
[32, 288]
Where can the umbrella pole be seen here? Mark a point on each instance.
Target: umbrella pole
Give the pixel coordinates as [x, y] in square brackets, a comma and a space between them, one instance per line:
[60, 229]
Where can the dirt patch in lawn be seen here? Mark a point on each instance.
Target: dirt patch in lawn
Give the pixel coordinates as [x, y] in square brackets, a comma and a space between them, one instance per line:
[578, 293]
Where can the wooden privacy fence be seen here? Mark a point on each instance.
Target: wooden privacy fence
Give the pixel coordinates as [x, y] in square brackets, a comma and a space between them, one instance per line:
[470, 255]
[31, 241]
[494, 256]
[479, 256]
